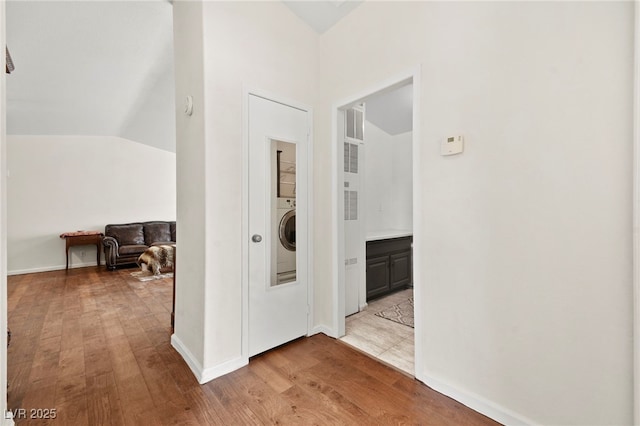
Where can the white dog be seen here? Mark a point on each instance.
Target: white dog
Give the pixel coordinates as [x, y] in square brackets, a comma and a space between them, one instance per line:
[155, 258]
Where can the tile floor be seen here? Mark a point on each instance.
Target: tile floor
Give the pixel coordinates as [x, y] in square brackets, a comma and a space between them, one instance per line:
[381, 338]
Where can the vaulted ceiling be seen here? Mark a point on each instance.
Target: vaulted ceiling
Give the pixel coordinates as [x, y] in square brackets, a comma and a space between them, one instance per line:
[106, 68]
[392, 111]
[322, 15]
[91, 68]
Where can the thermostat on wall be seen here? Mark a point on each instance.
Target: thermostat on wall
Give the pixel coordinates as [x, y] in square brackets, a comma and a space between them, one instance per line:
[452, 145]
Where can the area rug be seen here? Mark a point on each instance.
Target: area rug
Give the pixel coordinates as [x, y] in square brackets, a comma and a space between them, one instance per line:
[148, 276]
[401, 313]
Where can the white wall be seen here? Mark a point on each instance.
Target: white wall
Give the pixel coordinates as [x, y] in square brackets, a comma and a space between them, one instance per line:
[525, 253]
[66, 183]
[283, 62]
[259, 45]
[190, 148]
[388, 187]
[402, 160]
[3, 229]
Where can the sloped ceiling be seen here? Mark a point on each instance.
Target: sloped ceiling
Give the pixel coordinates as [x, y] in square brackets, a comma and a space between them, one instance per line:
[106, 68]
[322, 15]
[392, 111]
[92, 68]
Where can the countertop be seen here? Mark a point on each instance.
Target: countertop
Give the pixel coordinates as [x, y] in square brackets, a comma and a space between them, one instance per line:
[388, 233]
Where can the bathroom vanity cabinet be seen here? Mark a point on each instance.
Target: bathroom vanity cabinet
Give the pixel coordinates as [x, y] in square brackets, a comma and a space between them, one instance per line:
[388, 265]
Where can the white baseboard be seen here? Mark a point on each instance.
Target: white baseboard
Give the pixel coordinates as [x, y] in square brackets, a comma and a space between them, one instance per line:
[322, 329]
[188, 357]
[478, 403]
[51, 268]
[204, 375]
[220, 370]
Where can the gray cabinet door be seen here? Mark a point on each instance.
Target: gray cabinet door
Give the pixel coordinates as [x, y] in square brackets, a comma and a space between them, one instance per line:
[399, 270]
[377, 276]
[388, 266]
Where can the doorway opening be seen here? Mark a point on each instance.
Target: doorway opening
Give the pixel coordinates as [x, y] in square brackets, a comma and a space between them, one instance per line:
[374, 221]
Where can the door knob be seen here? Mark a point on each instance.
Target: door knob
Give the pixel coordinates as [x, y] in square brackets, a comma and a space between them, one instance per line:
[256, 238]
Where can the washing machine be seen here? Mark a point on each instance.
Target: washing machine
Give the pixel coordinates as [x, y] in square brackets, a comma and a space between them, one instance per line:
[286, 235]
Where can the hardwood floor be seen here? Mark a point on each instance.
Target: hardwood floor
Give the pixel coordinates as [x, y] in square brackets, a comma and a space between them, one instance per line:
[95, 346]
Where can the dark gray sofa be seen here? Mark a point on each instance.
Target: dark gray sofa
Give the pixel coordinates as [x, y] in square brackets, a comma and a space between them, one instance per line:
[124, 243]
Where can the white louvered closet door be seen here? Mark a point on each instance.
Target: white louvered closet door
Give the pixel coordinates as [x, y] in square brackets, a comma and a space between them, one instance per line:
[353, 220]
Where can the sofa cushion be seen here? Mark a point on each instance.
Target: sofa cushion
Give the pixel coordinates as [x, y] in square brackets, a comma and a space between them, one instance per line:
[158, 231]
[132, 249]
[129, 234]
[172, 226]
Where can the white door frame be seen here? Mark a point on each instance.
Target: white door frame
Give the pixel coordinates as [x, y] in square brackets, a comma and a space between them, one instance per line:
[3, 229]
[246, 92]
[636, 218]
[337, 184]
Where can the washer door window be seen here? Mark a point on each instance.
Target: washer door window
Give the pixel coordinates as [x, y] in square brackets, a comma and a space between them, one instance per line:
[287, 230]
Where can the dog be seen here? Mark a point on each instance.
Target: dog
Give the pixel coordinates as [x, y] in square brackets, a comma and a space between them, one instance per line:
[155, 258]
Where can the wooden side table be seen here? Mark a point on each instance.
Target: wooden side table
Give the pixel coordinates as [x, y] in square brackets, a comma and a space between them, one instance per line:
[83, 238]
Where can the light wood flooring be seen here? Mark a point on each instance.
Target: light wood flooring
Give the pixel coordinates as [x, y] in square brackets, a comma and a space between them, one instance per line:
[388, 341]
[94, 346]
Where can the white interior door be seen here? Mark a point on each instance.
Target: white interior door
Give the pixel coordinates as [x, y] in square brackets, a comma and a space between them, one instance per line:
[278, 306]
